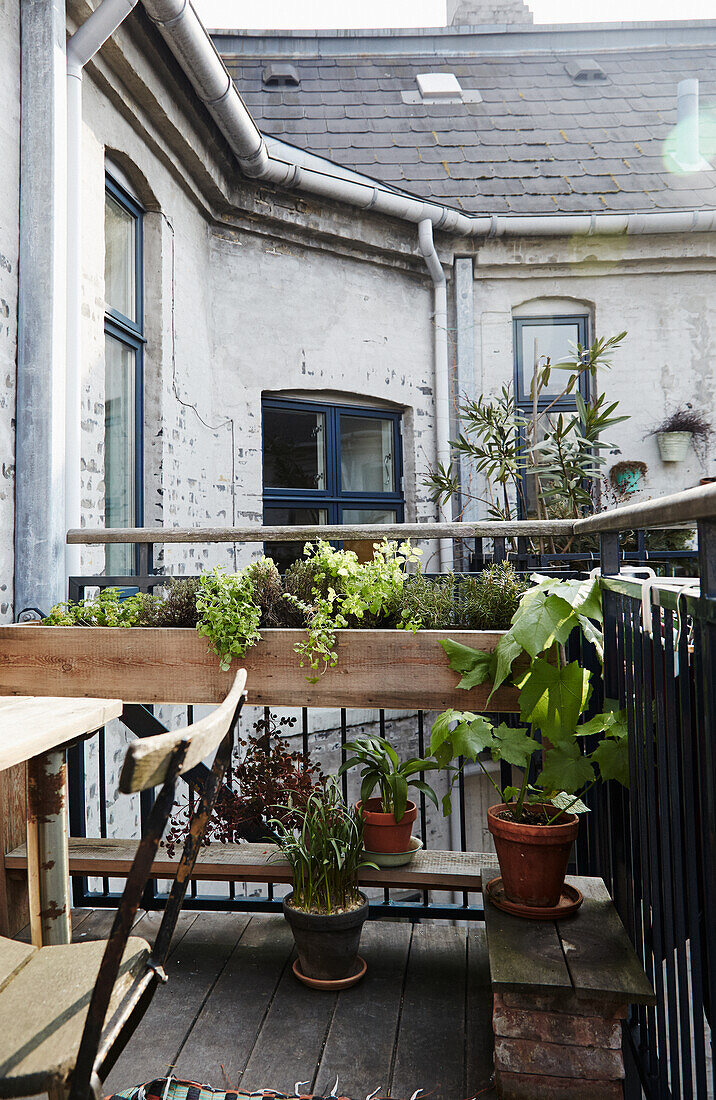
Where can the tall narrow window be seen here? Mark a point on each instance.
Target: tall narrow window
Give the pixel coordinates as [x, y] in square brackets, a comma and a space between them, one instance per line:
[537, 339]
[123, 373]
[329, 464]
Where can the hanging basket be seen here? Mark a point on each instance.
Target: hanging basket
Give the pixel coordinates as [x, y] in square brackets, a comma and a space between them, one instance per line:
[673, 445]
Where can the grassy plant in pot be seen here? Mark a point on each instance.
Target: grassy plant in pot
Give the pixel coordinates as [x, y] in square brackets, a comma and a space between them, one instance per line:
[387, 819]
[326, 910]
[535, 822]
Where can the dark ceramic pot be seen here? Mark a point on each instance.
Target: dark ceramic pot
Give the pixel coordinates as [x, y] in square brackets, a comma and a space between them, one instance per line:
[533, 858]
[327, 944]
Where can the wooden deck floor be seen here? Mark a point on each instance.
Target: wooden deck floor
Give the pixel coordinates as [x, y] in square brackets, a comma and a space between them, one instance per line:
[233, 1014]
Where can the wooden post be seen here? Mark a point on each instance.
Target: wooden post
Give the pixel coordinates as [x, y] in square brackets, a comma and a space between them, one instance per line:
[47, 860]
[14, 911]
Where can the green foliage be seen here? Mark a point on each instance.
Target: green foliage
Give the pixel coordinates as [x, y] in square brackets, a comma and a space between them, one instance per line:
[108, 608]
[324, 849]
[553, 696]
[176, 607]
[381, 767]
[485, 602]
[228, 615]
[559, 453]
[346, 592]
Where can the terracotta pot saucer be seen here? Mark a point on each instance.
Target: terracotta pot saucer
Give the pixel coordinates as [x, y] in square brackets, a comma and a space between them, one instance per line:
[568, 903]
[338, 983]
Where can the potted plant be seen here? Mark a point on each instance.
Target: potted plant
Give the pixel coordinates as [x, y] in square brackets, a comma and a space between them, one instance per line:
[676, 431]
[387, 819]
[534, 824]
[325, 909]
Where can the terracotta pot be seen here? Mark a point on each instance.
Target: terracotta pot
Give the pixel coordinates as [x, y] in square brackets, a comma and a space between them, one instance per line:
[533, 858]
[381, 832]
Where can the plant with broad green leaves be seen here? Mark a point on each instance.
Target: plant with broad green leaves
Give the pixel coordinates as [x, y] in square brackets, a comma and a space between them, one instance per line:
[553, 695]
[381, 767]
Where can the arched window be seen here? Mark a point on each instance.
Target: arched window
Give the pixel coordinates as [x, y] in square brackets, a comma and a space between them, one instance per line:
[124, 352]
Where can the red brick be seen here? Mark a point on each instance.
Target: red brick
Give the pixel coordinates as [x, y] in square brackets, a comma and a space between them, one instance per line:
[564, 1002]
[524, 1086]
[557, 1059]
[556, 1027]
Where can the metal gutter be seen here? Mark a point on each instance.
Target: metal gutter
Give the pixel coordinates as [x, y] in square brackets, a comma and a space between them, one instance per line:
[285, 166]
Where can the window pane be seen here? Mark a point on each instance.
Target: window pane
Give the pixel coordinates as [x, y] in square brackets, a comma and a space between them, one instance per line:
[367, 464]
[294, 449]
[119, 259]
[556, 341]
[369, 515]
[119, 449]
[285, 553]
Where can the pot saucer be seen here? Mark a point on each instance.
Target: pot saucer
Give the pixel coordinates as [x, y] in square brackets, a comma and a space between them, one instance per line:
[568, 903]
[339, 983]
[395, 859]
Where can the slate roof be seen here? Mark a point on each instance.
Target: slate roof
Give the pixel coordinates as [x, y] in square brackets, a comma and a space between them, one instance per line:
[537, 143]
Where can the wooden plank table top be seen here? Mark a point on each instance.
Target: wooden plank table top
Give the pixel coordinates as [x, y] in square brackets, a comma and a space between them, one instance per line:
[30, 726]
[588, 954]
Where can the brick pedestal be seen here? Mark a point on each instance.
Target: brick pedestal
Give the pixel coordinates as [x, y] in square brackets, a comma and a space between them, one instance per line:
[557, 1046]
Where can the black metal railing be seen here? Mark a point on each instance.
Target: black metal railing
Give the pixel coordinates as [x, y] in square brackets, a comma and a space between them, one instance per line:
[655, 844]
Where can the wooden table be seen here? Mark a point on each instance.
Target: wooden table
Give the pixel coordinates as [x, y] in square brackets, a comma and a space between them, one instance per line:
[38, 730]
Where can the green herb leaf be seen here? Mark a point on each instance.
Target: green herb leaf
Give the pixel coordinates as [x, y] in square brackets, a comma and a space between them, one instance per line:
[565, 769]
[553, 698]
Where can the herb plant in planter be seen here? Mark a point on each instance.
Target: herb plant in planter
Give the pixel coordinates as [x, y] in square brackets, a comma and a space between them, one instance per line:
[387, 819]
[534, 824]
[326, 910]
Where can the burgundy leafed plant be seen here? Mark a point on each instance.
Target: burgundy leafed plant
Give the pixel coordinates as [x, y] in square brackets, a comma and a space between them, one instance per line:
[271, 782]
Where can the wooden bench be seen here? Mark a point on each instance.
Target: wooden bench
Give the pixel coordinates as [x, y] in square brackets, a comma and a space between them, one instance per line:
[561, 990]
[429, 870]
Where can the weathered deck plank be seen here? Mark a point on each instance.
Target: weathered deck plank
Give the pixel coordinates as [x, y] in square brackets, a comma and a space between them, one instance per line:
[195, 963]
[224, 1035]
[430, 1048]
[361, 1039]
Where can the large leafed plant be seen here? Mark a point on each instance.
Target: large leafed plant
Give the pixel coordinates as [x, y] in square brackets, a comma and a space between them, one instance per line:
[554, 695]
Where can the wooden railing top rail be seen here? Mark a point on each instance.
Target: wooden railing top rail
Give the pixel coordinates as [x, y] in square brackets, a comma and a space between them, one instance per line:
[678, 509]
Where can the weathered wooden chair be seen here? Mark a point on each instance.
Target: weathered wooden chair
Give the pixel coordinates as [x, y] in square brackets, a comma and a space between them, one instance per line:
[66, 1012]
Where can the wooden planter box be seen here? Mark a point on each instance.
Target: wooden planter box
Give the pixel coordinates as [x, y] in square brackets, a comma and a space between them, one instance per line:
[376, 668]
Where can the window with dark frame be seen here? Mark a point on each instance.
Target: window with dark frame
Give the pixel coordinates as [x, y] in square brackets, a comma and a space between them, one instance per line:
[124, 355]
[325, 463]
[535, 338]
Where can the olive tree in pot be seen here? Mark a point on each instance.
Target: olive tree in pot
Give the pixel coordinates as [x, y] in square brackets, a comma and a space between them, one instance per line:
[387, 819]
[326, 910]
[535, 824]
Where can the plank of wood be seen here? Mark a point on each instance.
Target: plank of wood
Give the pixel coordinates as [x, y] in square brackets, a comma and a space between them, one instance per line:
[430, 1049]
[148, 759]
[99, 536]
[193, 967]
[376, 668]
[601, 959]
[429, 870]
[14, 908]
[220, 1043]
[479, 1042]
[359, 1048]
[525, 954]
[288, 1047]
[44, 1008]
[31, 725]
[13, 956]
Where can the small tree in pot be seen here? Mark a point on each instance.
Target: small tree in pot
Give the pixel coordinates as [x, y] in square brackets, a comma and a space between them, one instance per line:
[535, 824]
[388, 819]
[326, 910]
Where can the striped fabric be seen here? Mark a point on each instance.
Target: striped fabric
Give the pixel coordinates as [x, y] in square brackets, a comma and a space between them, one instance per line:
[169, 1088]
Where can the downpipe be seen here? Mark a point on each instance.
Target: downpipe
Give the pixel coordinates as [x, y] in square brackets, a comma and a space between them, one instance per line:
[441, 387]
[81, 48]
